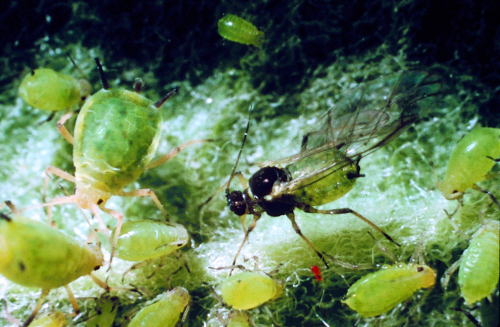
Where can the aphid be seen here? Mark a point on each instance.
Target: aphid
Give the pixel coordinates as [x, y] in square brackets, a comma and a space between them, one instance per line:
[105, 312]
[249, 289]
[470, 162]
[165, 312]
[236, 29]
[327, 166]
[238, 319]
[47, 89]
[36, 255]
[379, 292]
[479, 264]
[116, 136]
[317, 273]
[54, 319]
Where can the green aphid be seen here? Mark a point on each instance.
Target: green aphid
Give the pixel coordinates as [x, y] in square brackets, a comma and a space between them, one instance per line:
[36, 255]
[247, 290]
[327, 167]
[105, 312]
[470, 162]
[165, 312]
[54, 319]
[47, 89]
[238, 319]
[479, 264]
[236, 29]
[379, 292]
[149, 239]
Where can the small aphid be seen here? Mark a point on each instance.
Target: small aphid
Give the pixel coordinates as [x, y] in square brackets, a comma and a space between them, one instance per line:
[247, 290]
[379, 292]
[479, 264]
[327, 167]
[105, 312]
[238, 319]
[236, 29]
[116, 136]
[471, 160]
[36, 255]
[47, 89]
[317, 273]
[149, 239]
[54, 319]
[165, 312]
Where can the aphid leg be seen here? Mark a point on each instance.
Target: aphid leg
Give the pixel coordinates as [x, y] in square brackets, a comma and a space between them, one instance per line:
[146, 192]
[492, 197]
[382, 248]
[256, 217]
[72, 300]
[37, 308]
[59, 173]
[454, 225]
[172, 153]
[297, 230]
[100, 283]
[309, 209]
[447, 274]
[63, 130]
[119, 217]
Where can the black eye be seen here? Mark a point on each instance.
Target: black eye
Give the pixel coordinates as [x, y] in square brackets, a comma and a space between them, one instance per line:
[236, 203]
[419, 269]
[261, 183]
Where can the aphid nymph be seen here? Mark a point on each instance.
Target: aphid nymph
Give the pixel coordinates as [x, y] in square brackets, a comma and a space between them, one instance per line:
[236, 29]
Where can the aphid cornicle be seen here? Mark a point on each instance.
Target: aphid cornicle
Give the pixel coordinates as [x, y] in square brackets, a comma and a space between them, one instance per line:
[165, 312]
[36, 255]
[379, 292]
[249, 289]
[326, 168]
[470, 162]
[116, 136]
[47, 89]
[479, 264]
[54, 319]
[236, 29]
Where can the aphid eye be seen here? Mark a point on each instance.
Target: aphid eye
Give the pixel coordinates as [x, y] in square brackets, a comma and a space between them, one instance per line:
[261, 183]
[419, 269]
[237, 203]
[100, 201]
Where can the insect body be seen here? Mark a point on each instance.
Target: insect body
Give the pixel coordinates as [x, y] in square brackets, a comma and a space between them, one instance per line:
[54, 319]
[248, 290]
[237, 29]
[47, 89]
[470, 162]
[149, 239]
[105, 312]
[165, 312]
[317, 273]
[326, 168]
[238, 319]
[479, 264]
[36, 255]
[381, 291]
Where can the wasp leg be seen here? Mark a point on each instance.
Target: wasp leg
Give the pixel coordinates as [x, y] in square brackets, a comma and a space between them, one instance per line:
[250, 228]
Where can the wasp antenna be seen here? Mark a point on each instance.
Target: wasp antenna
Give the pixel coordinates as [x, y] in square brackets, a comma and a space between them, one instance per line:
[241, 150]
[104, 81]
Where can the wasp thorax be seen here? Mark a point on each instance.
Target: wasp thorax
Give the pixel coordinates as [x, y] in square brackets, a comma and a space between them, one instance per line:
[262, 182]
[236, 203]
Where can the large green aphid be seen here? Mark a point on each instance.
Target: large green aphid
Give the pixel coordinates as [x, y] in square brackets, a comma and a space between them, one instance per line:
[54, 319]
[105, 312]
[47, 89]
[470, 162]
[36, 255]
[249, 289]
[116, 136]
[479, 264]
[165, 312]
[379, 292]
[326, 168]
[236, 29]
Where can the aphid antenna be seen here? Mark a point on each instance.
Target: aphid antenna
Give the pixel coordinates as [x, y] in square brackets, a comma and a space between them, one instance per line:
[104, 81]
[217, 296]
[76, 66]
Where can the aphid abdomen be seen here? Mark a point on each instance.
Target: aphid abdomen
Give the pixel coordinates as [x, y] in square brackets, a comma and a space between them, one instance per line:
[237, 29]
[149, 239]
[326, 186]
[47, 89]
[54, 319]
[479, 269]
[35, 254]
[381, 291]
[248, 290]
[471, 160]
[116, 135]
[165, 312]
